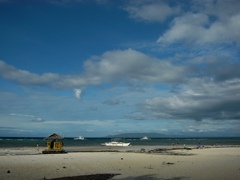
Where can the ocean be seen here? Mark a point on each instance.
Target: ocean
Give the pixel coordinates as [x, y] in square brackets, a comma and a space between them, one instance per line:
[32, 142]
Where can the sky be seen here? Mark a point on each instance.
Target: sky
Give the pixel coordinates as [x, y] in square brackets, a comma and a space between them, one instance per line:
[104, 67]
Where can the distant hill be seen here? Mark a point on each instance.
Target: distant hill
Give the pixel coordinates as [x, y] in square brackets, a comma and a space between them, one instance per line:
[137, 135]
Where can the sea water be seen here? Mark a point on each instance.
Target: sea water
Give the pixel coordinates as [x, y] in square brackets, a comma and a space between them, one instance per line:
[33, 142]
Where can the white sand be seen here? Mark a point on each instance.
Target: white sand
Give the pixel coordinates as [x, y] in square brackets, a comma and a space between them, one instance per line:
[210, 163]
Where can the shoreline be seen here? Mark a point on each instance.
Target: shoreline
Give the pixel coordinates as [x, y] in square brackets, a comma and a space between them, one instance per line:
[206, 163]
[74, 149]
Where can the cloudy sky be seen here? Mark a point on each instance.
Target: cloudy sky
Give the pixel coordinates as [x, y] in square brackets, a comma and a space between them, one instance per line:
[103, 67]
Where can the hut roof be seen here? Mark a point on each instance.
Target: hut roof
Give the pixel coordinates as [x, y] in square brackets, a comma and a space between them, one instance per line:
[53, 136]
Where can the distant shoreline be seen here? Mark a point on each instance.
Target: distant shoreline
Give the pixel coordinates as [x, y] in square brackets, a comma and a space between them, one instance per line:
[126, 137]
[92, 142]
[76, 149]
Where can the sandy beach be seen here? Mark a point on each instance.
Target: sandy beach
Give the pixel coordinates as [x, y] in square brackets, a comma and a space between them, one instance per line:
[207, 163]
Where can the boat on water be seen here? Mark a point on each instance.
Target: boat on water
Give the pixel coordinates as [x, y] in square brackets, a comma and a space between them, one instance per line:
[79, 138]
[115, 142]
[145, 138]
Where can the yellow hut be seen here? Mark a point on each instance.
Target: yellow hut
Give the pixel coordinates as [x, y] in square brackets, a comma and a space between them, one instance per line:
[54, 144]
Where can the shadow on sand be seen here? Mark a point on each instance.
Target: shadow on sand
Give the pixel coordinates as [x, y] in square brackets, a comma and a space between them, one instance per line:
[151, 177]
[87, 177]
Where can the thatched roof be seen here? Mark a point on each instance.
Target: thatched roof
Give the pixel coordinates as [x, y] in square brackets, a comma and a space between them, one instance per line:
[54, 136]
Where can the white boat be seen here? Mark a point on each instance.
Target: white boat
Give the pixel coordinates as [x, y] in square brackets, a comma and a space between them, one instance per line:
[115, 143]
[79, 138]
[145, 138]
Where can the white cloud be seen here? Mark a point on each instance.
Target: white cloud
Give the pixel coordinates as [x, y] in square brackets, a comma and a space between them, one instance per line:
[34, 118]
[120, 66]
[25, 77]
[23, 115]
[78, 93]
[211, 22]
[155, 11]
[205, 92]
[198, 22]
[188, 27]
[133, 67]
[185, 28]
[203, 99]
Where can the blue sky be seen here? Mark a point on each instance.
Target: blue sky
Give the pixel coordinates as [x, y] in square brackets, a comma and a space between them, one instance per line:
[103, 67]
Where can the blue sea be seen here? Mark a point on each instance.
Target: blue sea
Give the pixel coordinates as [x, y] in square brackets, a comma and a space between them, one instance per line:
[32, 142]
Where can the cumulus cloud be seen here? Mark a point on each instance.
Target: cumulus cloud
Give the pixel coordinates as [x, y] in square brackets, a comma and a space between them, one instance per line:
[155, 11]
[199, 22]
[208, 86]
[197, 28]
[25, 77]
[120, 66]
[206, 22]
[132, 66]
[188, 27]
[203, 99]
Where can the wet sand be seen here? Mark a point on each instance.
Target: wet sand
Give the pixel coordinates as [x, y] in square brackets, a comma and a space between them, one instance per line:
[124, 163]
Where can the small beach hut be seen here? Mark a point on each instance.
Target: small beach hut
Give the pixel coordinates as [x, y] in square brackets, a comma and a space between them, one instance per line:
[54, 144]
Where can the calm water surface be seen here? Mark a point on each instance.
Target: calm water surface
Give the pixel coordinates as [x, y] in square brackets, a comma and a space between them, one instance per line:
[32, 142]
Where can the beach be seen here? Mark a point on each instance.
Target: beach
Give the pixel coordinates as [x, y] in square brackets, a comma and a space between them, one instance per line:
[122, 163]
